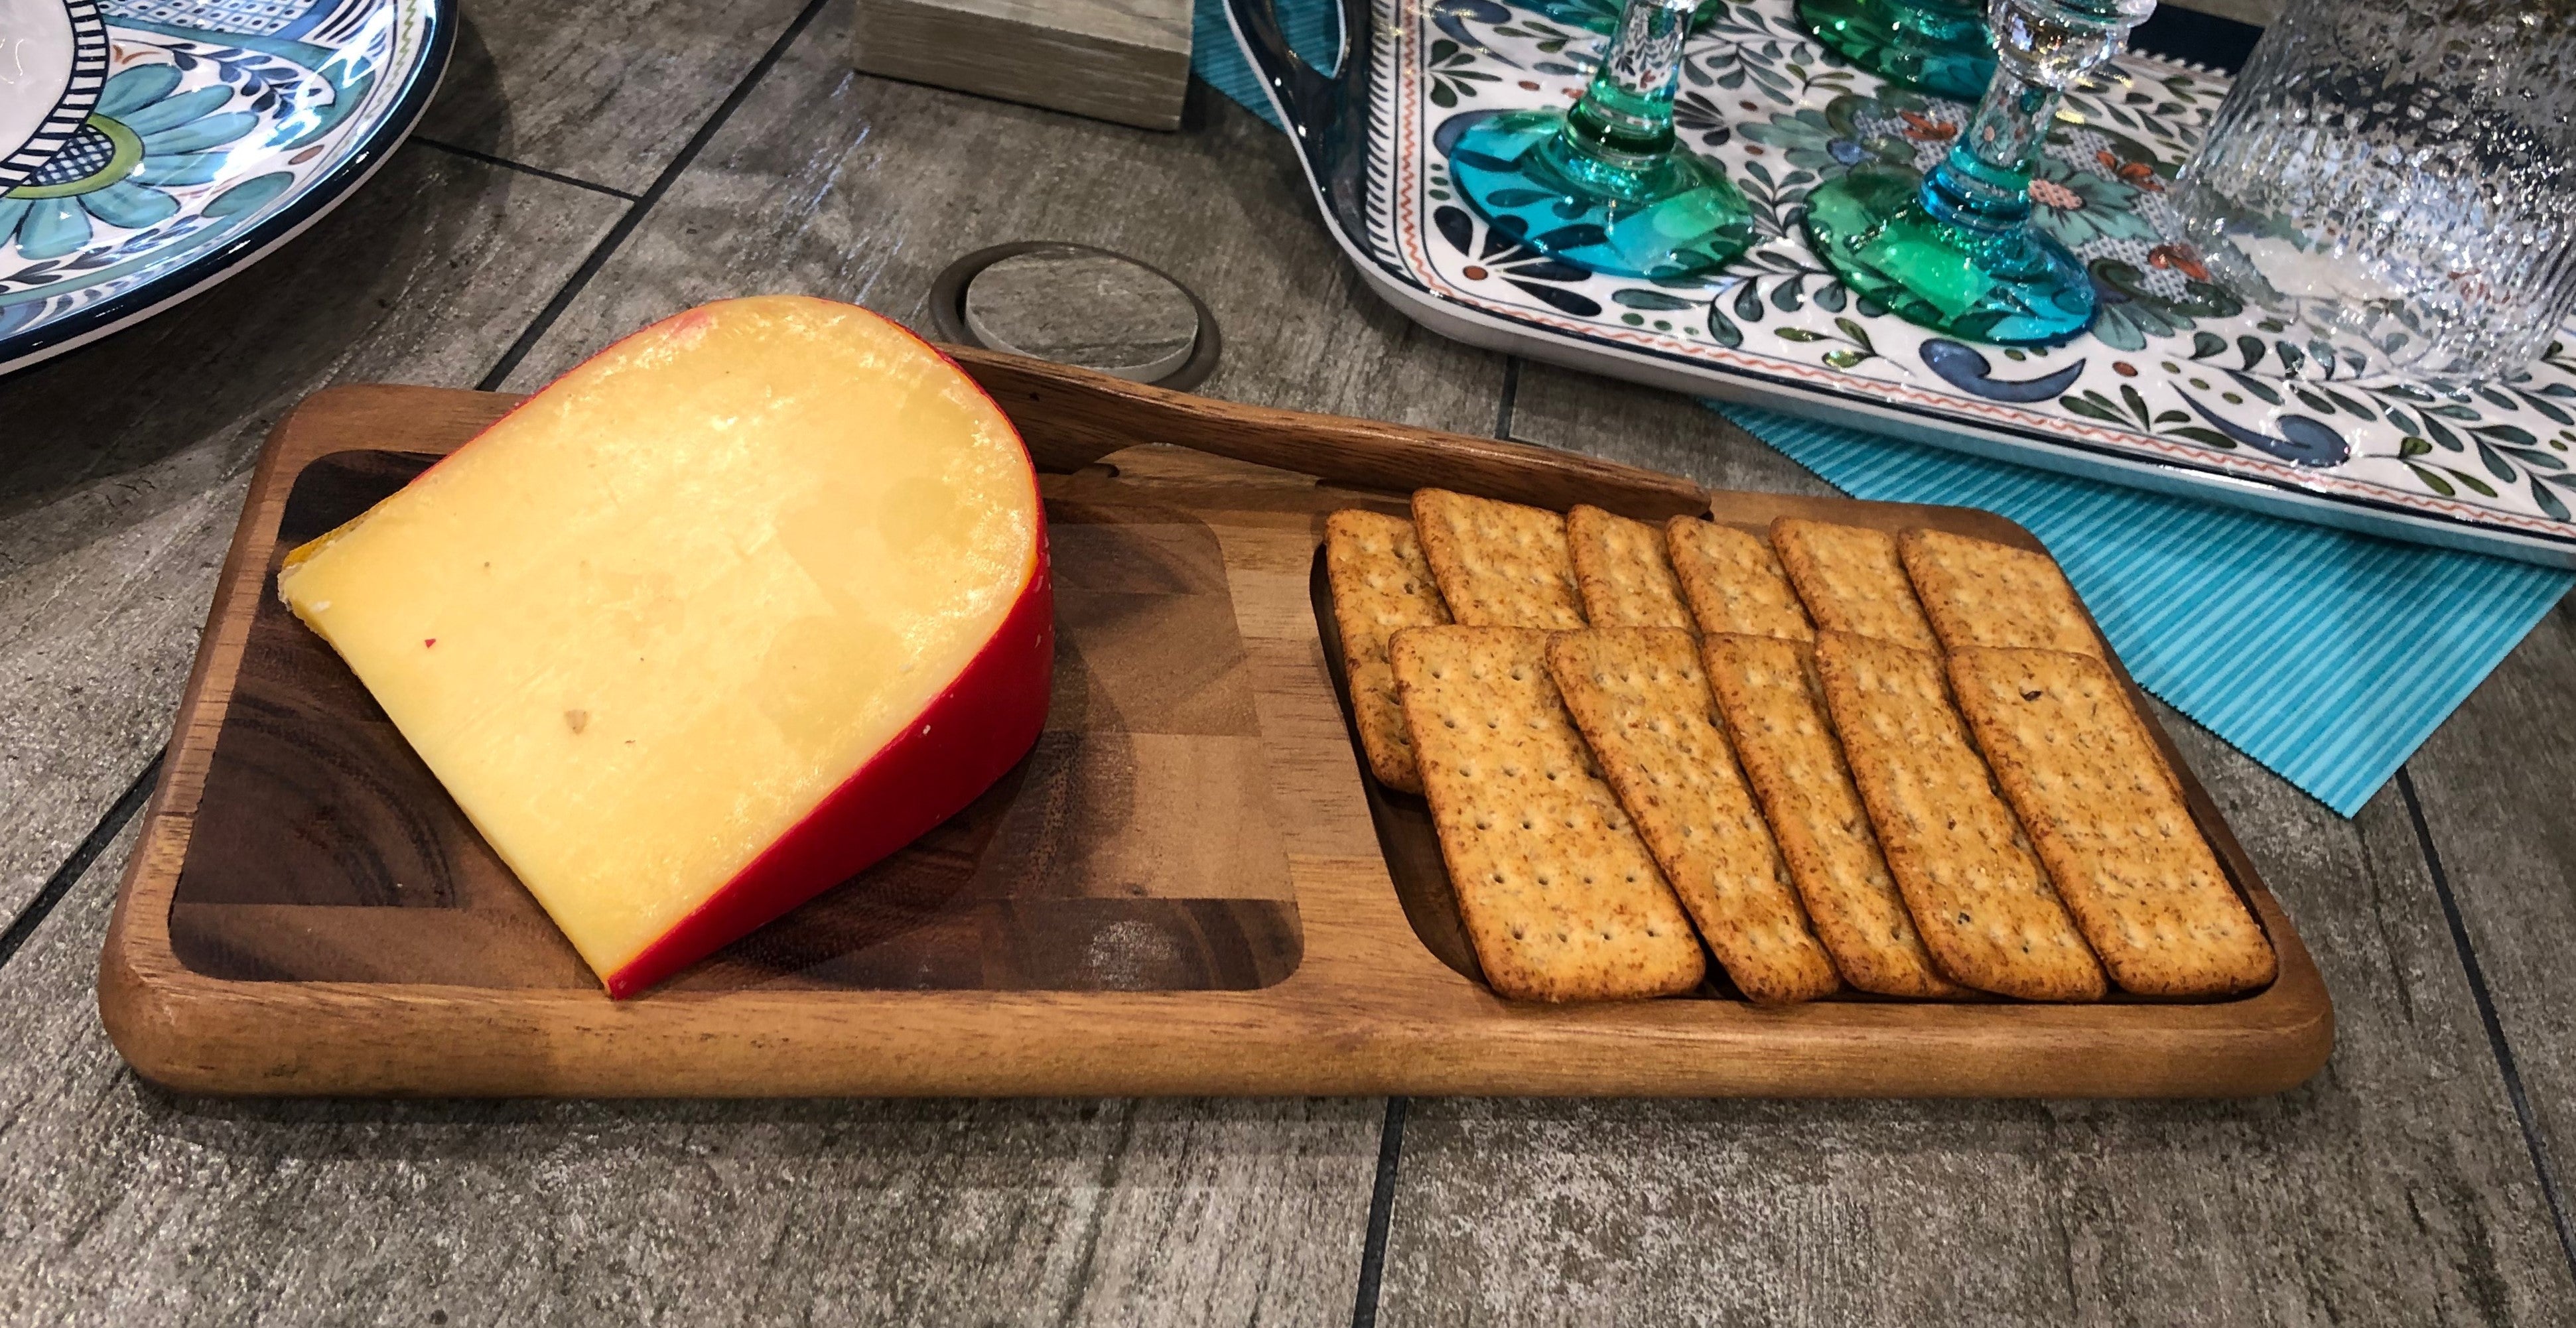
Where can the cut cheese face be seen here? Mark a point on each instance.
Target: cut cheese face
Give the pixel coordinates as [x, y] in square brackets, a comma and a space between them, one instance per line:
[750, 599]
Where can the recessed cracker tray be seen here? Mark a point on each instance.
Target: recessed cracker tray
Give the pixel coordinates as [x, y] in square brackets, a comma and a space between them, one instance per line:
[1191, 887]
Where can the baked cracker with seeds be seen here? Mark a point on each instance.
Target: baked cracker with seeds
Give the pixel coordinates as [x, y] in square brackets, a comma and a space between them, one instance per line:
[1640, 700]
[1733, 582]
[1980, 593]
[1978, 894]
[1560, 897]
[1498, 564]
[1851, 581]
[1381, 586]
[1766, 692]
[2107, 817]
[1620, 567]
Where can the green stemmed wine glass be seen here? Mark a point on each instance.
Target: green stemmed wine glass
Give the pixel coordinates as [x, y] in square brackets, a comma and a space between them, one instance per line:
[1935, 45]
[1605, 186]
[1955, 250]
[1602, 16]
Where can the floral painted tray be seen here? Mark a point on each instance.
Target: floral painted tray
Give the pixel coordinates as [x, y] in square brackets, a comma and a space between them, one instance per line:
[2180, 386]
[150, 148]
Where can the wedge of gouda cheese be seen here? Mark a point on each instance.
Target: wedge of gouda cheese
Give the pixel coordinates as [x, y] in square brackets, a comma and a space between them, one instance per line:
[746, 602]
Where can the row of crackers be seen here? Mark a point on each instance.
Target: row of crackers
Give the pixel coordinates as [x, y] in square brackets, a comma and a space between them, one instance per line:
[1841, 758]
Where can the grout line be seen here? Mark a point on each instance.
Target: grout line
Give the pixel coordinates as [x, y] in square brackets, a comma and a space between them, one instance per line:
[2503, 1051]
[635, 212]
[1511, 397]
[521, 167]
[1390, 1152]
[79, 863]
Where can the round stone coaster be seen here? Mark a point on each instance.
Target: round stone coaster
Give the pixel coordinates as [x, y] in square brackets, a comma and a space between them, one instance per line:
[1079, 307]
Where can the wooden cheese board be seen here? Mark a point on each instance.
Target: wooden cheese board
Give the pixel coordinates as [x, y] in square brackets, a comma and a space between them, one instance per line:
[1190, 887]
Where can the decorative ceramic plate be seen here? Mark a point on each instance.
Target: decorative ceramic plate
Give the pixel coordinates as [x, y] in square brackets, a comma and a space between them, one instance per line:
[151, 148]
[2180, 386]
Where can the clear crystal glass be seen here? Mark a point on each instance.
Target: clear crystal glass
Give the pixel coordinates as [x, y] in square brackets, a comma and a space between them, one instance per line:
[2397, 178]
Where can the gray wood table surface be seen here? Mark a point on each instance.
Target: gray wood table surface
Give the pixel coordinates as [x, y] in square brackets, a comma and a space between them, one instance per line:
[589, 167]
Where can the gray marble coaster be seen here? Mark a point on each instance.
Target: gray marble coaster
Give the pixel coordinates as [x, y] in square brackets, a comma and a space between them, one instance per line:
[1094, 310]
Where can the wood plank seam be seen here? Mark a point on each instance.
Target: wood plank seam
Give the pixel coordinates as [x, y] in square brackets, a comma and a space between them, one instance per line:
[2497, 1046]
[635, 213]
[521, 167]
[119, 813]
[1381, 1214]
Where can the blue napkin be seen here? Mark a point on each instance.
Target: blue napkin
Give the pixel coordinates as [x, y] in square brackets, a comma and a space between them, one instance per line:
[2324, 655]
[1313, 28]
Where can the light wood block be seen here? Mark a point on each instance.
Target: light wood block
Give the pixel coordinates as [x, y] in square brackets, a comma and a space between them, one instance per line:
[1126, 61]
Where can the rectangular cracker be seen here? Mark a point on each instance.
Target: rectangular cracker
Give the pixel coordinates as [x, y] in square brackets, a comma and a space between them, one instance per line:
[1733, 581]
[1766, 692]
[1381, 585]
[1621, 570]
[1498, 564]
[2107, 817]
[1640, 700]
[1980, 593]
[1560, 896]
[1979, 896]
[1851, 581]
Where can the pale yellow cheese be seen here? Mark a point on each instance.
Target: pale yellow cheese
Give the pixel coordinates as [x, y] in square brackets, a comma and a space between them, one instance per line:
[647, 622]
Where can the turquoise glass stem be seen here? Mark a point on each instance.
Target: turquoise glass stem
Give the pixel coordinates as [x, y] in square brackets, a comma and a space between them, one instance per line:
[1955, 250]
[1983, 186]
[1605, 186]
[1603, 16]
[1625, 118]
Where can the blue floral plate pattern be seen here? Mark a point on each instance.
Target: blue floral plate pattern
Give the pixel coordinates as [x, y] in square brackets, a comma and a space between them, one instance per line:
[220, 130]
[2179, 387]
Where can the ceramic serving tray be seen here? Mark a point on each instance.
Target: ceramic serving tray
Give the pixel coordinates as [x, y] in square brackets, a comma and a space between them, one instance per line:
[151, 148]
[2181, 386]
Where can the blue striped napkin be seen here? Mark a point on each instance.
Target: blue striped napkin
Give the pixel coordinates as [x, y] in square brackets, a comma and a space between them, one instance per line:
[2326, 656]
[1313, 28]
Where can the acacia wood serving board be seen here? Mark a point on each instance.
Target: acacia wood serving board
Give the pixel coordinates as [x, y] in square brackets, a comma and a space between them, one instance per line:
[1189, 887]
